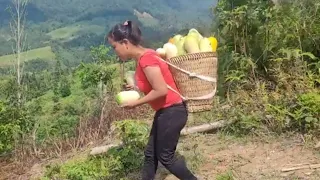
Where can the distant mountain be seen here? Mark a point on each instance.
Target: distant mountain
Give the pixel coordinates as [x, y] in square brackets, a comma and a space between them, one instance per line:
[75, 10]
[79, 24]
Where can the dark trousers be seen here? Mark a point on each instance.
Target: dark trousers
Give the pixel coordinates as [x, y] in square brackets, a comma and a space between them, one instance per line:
[163, 140]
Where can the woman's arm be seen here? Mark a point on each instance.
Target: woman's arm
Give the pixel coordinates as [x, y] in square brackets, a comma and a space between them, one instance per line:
[156, 80]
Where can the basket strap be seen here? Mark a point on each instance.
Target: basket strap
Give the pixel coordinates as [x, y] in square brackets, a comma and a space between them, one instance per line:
[204, 97]
[205, 78]
[169, 87]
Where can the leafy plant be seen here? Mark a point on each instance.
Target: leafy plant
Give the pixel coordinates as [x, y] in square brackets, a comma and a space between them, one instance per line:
[267, 59]
[115, 164]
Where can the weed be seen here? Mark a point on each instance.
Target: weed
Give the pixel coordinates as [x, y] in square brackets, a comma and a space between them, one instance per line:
[225, 176]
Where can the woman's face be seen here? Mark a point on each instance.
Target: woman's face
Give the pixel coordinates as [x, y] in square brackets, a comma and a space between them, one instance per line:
[121, 49]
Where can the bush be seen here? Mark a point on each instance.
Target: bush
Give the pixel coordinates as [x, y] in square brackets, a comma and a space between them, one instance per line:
[267, 65]
[115, 164]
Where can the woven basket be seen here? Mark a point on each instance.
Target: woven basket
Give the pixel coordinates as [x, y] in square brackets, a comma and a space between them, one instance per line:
[204, 63]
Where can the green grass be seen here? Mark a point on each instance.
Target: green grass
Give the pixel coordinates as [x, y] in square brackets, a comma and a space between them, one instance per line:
[225, 176]
[64, 33]
[42, 53]
[73, 31]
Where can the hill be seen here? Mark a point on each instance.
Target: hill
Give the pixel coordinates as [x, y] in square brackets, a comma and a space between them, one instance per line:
[78, 10]
[268, 96]
[44, 53]
[75, 25]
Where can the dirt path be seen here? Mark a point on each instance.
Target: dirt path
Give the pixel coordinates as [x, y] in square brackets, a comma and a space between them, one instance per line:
[226, 158]
[251, 159]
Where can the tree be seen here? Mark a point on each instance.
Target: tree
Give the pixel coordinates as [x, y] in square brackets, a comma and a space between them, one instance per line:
[102, 58]
[19, 35]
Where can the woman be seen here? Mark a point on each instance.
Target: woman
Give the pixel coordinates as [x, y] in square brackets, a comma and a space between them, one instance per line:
[152, 77]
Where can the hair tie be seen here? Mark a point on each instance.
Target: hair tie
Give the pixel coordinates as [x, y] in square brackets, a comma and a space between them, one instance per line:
[125, 23]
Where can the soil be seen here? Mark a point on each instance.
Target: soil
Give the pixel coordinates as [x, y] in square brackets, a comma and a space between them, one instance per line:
[224, 158]
[253, 159]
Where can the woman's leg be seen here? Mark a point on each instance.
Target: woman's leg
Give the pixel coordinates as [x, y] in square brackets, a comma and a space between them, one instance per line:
[150, 159]
[169, 124]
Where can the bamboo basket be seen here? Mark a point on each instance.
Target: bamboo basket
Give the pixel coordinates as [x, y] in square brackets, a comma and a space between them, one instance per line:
[183, 69]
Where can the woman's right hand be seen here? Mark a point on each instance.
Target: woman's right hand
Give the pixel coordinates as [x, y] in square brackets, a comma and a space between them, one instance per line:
[127, 87]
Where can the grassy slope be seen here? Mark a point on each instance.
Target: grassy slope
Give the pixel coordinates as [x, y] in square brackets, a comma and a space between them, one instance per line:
[77, 98]
[43, 53]
[221, 157]
[72, 31]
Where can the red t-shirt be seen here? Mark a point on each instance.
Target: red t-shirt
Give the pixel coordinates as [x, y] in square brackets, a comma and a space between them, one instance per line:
[150, 59]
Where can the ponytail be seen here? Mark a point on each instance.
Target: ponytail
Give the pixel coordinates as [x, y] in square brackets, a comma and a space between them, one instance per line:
[127, 30]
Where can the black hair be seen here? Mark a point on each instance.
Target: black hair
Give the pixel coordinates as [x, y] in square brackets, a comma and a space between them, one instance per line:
[128, 30]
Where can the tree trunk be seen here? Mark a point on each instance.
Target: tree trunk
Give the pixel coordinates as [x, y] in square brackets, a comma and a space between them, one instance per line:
[17, 27]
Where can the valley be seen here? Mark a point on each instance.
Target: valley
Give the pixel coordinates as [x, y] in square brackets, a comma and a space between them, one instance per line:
[61, 102]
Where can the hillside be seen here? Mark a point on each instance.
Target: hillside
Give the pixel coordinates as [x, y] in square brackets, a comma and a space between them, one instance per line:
[77, 10]
[78, 24]
[62, 105]
[44, 53]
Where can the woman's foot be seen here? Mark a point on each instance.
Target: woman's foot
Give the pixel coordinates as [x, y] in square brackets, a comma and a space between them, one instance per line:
[201, 178]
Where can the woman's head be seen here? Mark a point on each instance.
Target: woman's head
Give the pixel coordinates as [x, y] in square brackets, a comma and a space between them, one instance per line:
[124, 38]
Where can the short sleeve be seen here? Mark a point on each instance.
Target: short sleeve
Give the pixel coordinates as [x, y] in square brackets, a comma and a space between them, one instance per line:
[149, 59]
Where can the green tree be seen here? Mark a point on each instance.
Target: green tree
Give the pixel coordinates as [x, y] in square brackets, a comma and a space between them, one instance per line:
[98, 73]
[268, 61]
[64, 87]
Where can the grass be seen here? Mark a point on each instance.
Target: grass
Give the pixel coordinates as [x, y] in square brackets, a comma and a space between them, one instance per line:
[73, 31]
[42, 53]
[64, 33]
[225, 176]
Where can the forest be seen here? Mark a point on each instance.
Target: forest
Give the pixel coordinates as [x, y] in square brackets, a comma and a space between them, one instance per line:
[57, 89]
[71, 28]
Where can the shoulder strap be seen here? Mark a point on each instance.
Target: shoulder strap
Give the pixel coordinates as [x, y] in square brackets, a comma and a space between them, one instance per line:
[204, 97]
[205, 78]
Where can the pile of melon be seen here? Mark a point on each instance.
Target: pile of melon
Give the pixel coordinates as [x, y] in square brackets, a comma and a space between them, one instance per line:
[192, 42]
